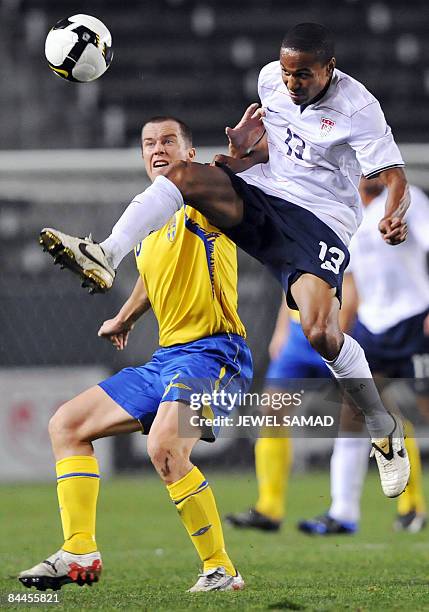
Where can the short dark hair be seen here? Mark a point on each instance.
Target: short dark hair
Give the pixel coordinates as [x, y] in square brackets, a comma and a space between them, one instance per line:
[311, 38]
[184, 128]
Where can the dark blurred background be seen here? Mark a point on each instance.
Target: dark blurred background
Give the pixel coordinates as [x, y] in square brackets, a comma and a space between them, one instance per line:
[200, 60]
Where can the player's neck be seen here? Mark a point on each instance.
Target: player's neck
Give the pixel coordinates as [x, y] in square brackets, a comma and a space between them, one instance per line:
[318, 97]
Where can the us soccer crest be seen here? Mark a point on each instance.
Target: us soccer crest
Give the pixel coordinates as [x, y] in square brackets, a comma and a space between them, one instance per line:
[326, 126]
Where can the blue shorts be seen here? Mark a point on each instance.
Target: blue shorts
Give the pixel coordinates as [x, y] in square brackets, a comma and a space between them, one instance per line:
[287, 238]
[297, 360]
[402, 351]
[177, 372]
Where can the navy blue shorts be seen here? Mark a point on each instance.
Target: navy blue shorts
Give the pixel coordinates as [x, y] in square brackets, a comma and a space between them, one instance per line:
[402, 351]
[287, 238]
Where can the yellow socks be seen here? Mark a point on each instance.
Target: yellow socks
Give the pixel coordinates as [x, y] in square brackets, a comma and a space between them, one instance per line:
[196, 505]
[412, 498]
[78, 481]
[273, 458]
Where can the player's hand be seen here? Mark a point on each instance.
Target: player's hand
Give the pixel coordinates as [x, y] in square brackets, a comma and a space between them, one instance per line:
[247, 132]
[234, 163]
[116, 331]
[393, 230]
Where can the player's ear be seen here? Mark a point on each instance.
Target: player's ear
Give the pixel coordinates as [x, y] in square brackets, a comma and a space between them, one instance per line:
[192, 153]
[331, 65]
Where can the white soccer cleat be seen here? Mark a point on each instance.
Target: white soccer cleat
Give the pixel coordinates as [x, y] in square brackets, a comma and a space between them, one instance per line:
[392, 460]
[217, 579]
[62, 568]
[82, 256]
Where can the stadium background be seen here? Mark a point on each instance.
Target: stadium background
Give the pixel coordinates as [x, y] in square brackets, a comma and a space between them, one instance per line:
[70, 159]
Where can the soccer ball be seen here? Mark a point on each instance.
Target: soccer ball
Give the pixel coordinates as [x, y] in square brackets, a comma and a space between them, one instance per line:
[79, 48]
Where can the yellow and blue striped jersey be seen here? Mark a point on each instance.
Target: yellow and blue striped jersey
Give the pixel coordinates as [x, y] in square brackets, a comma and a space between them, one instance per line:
[189, 268]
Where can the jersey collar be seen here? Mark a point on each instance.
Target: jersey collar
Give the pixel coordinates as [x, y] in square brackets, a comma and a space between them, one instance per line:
[319, 95]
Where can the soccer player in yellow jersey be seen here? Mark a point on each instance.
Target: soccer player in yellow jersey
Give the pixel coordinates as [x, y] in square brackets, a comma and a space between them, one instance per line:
[188, 276]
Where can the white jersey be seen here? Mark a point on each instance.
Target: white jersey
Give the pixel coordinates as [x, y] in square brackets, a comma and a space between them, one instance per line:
[316, 155]
[392, 281]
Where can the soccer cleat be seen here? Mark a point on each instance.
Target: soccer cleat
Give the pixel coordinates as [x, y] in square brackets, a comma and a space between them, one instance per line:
[392, 460]
[412, 521]
[82, 256]
[252, 519]
[62, 568]
[326, 525]
[217, 579]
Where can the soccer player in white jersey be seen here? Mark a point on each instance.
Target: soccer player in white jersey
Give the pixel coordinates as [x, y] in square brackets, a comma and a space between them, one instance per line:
[391, 289]
[293, 205]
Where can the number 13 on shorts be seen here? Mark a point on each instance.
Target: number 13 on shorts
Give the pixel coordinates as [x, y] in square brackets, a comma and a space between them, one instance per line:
[331, 257]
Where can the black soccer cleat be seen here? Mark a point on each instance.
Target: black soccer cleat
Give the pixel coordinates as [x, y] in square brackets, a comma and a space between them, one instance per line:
[252, 519]
[413, 522]
[326, 525]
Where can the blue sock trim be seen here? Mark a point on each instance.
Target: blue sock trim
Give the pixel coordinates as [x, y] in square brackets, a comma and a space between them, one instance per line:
[71, 474]
[202, 486]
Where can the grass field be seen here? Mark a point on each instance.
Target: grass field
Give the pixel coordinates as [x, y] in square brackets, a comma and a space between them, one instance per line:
[149, 563]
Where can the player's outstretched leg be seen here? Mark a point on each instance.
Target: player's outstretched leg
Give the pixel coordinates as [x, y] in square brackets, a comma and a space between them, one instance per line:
[82, 256]
[193, 498]
[345, 358]
[95, 263]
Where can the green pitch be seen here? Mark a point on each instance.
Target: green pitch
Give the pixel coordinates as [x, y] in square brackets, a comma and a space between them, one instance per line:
[149, 562]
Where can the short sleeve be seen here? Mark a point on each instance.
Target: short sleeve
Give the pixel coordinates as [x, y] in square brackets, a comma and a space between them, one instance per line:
[372, 139]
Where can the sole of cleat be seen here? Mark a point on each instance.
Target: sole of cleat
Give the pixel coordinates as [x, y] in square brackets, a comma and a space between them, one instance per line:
[65, 257]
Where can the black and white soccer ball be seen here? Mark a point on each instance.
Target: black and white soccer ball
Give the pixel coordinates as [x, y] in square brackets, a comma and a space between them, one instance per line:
[79, 48]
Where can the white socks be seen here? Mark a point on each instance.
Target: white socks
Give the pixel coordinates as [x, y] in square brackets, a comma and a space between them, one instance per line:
[148, 212]
[351, 370]
[349, 464]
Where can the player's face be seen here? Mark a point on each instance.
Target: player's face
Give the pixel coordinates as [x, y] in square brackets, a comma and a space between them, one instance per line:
[163, 144]
[304, 75]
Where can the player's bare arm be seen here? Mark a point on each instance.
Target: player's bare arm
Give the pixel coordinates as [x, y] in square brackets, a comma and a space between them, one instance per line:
[393, 227]
[117, 330]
